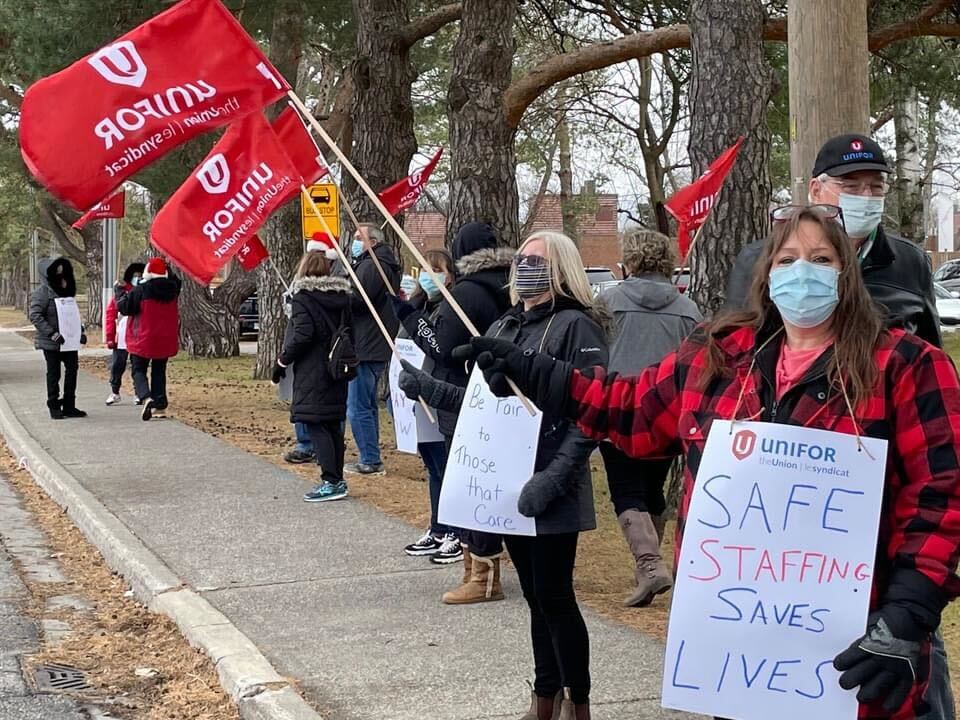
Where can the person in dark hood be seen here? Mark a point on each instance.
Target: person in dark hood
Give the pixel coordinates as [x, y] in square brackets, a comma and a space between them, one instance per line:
[153, 332]
[378, 271]
[53, 301]
[116, 333]
[652, 319]
[483, 271]
[555, 313]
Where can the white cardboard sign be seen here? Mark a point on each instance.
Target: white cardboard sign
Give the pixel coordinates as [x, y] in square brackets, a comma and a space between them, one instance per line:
[410, 422]
[492, 457]
[68, 319]
[122, 321]
[775, 572]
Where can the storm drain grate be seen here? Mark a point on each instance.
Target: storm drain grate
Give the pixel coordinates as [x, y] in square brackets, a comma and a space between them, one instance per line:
[54, 677]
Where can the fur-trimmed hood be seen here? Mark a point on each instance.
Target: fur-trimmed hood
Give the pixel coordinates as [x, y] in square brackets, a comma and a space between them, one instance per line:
[316, 283]
[59, 276]
[486, 259]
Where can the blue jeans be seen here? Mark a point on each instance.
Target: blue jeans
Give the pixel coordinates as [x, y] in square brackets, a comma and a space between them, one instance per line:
[434, 456]
[304, 444]
[362, 411]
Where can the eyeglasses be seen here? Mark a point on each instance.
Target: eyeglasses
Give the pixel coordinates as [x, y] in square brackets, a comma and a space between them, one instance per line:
[529, 260]
[786, 213]
[876, 188]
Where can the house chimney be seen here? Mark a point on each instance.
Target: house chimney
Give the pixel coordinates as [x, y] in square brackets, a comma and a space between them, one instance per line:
[589, 187]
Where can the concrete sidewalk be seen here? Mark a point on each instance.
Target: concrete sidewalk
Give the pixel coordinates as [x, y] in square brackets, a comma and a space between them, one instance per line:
[323, 592]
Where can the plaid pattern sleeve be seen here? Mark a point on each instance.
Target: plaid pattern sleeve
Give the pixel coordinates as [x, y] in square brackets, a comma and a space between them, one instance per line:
[926, 508]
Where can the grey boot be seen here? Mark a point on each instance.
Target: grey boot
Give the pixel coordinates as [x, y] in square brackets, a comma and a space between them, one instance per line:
[652, 576]
[543, 708]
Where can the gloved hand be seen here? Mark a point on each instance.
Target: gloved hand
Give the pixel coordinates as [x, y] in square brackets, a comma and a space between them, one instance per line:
[58, 338]
[83, 338]
[883, 663]
[537, 494]
[111, 346]
[416, 383]
[498, 359]
[401, 307]
[279, 372]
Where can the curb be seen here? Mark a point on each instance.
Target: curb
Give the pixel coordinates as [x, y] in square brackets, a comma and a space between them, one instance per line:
[245, 674]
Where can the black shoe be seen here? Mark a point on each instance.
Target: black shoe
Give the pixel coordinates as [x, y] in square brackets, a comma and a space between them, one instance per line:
[147, 412]
[70, 410]
[359, 468]
[56, 409]
[299, 457]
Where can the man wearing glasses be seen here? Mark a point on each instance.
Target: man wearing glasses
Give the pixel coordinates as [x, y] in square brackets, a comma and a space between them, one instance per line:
[850, 174]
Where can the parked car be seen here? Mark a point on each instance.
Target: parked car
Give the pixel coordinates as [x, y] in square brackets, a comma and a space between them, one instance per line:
[603, 286]
[250, 316]
[948, 275]
[597, 275]
[681, 278]
[948, 304]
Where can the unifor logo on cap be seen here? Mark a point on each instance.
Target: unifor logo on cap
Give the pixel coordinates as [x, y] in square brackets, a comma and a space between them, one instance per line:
[856, 146]
[743, 444]
[120, 64]
[214, 175]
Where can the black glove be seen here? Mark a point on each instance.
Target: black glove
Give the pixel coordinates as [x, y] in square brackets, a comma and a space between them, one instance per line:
[83, 338]
[435, 393]
[537, 494]
[499, 360]
[58, 338]
[883, 663]
[401, 308]
[279, 372]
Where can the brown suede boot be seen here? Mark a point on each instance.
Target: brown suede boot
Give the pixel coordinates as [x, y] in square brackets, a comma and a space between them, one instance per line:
[652, 576]
[483, 585]
[467, 564]
[544, 708]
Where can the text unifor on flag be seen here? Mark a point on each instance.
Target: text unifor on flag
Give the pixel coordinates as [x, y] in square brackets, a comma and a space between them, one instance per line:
[404, 194]
[113, 207]
[246, 177]
[692, 205]
[192, 68]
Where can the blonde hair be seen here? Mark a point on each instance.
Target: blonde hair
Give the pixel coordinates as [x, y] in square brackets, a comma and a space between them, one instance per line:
[648, 251]
[567, 278]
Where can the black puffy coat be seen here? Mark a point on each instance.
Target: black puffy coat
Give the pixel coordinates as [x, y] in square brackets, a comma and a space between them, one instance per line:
[370, 344]
[317, 397]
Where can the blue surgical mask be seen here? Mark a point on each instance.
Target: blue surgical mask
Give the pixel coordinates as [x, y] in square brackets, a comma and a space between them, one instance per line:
[356, 249]
[428, 285]
[861, 214]
[136, 280]
[804, 293]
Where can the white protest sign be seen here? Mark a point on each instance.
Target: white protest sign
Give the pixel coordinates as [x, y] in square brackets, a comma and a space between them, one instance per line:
[122, 321]
[285, 386]
[68, 320]
[775, 572]
[410, 422]
[492, 457]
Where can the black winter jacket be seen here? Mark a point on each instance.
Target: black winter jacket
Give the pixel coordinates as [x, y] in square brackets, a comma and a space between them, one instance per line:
[58, 282]
[897, 275]
[370, 343]
[317, 397]
[481, 290]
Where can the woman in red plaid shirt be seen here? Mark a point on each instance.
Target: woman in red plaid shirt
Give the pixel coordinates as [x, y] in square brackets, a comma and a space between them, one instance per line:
[812, 351]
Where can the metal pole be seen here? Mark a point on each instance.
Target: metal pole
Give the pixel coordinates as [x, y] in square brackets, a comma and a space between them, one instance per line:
[34, 260]
[108, 234]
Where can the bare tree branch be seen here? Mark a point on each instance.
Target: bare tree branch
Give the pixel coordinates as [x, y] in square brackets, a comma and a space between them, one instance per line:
[426, 25]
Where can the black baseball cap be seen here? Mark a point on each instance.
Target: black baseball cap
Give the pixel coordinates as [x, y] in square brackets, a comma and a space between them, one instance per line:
[847, 154]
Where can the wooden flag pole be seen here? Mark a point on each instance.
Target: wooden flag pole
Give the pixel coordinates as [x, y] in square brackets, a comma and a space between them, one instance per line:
[374, 198]
[356, 281]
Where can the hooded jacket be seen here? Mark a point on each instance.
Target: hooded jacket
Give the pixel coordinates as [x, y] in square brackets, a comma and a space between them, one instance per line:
[58, 282]
[481, 290]
[154, 327]
[116, 324]
[317, 303]
[652, 318]
[897, 275]
[370, 344]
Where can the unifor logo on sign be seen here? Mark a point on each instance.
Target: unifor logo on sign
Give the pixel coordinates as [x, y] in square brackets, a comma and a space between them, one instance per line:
[120, 64]
[743, 444]
[214, 175]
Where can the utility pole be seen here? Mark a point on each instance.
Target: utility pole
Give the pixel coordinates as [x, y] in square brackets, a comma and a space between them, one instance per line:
[829, 63]
[108, 234]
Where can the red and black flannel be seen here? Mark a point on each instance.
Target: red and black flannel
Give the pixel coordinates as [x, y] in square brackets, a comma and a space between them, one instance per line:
[915, 406]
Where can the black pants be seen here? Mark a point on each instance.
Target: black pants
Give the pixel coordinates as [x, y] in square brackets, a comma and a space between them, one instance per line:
[70, 362]
[118, 365]
[635, 484]
[156, 388]
[561, 645]
[327, 439]
[481, 544]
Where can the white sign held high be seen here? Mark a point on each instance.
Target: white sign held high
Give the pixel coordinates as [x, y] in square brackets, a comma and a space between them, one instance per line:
[492, 457]
[68, 320]
[410, 422]
[775, 572]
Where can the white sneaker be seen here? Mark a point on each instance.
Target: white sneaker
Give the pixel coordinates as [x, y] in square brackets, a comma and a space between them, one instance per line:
[113, 398]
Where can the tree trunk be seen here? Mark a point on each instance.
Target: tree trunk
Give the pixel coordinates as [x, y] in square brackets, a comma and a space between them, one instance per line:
[383, 75]
[93, 265]
[281, 234]
[483, 163]
[828, 62]
[210, 319]
[906, 117]
[729, 92]
[567, 209]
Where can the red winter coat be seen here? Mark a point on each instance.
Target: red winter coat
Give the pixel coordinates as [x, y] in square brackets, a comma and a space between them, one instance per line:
[154, 327]
[915, 405]
[111, 329]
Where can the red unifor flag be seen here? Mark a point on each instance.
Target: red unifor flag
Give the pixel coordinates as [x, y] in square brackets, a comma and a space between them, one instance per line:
[692, 204]
[404, 194]
[245, 178]
[192, 68]
[251, 254]
[298, 142]
[113, 207]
